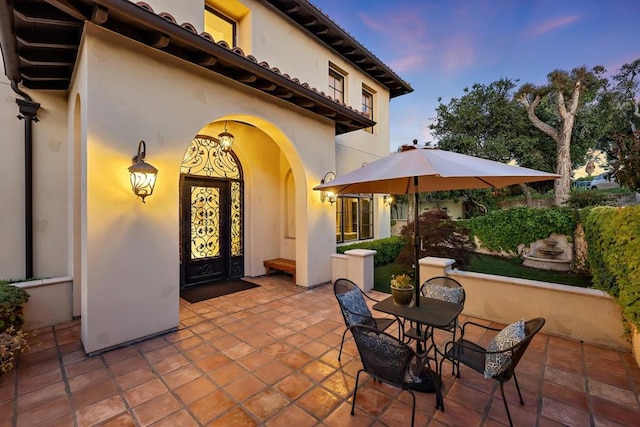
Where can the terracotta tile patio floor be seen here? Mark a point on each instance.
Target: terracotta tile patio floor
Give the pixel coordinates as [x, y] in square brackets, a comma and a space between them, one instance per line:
[268, 356]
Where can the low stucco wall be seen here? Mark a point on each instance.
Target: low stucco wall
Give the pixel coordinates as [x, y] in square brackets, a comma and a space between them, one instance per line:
[579, 314]
[635, 341]
[50, 302]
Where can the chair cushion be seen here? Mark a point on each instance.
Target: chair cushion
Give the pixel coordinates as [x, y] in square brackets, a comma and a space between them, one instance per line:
[508, 337]
[443, 293]
[357, 311]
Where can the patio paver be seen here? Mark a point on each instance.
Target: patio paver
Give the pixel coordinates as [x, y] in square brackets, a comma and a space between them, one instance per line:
[268, 356]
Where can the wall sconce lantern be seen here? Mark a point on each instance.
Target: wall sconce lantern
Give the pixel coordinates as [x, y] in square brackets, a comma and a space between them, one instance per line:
[328, 196]
[225, 138]
[388, 199]
[143, 175]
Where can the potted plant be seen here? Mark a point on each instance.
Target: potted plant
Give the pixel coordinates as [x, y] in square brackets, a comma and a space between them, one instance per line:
[12, 298]
[401, 289]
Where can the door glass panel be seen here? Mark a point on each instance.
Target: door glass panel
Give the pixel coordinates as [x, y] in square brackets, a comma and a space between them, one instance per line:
[236, 219]
[366, 218]
[205, 222]
[339, 219]
[350, 206]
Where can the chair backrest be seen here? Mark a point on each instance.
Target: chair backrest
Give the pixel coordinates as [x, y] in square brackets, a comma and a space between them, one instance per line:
[531, 328]
[352, 303]
[444, 288]
[383, 356]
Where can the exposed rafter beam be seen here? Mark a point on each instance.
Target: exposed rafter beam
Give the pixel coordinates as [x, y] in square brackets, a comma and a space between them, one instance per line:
[205, 60]
[67, 8]
[99, 15]
[161, 41]
[46, 20]
[266, 86]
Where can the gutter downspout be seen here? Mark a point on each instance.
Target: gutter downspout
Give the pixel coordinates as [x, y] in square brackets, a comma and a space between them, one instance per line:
[28, 111]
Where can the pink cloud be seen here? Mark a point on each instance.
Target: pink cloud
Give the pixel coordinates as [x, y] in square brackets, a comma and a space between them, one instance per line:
[551, 25]
[458, 53]
[407, 33]
[406, 63]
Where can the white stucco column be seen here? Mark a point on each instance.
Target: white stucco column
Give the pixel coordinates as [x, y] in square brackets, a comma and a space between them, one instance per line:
[360, 267]
[339, 266]
[433, 267]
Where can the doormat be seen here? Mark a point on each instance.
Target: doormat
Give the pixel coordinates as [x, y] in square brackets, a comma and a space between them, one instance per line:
[213, 290]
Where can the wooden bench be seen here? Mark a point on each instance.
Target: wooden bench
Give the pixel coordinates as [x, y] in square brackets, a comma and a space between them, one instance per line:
[281, 264]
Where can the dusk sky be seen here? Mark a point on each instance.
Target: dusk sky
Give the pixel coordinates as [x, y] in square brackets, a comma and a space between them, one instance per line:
[443, 46]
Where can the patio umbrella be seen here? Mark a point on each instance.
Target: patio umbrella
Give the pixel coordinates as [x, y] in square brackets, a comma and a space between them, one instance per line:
[422, 169]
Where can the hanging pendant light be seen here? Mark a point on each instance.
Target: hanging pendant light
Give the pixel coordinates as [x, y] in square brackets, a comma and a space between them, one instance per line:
[225, 139]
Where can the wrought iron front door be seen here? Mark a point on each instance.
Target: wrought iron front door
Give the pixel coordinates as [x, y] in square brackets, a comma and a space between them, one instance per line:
[206, 231]
[211, 214]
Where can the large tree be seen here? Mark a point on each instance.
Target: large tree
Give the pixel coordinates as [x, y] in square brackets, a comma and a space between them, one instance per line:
[627, 91]
[487, 122]
[568, 93]
[622, 138]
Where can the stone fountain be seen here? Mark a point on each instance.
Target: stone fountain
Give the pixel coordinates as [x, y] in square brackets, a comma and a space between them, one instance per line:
[549, 254]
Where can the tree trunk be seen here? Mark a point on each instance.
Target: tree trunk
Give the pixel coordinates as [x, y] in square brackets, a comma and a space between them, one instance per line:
[562, 137]
[526, 190]
[562, 185]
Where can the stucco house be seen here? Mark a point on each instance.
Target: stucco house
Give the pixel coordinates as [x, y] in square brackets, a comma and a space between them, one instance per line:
[90, 79]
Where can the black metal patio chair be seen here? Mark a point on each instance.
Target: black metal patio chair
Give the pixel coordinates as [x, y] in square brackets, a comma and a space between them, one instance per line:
[354, 309]
[442, 288]
[501, 357]
[390, 360]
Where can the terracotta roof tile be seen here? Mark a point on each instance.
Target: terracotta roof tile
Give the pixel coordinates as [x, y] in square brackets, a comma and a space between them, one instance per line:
[251, 58]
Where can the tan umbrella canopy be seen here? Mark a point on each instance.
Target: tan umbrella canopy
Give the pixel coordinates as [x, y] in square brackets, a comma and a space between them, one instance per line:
[422, 169]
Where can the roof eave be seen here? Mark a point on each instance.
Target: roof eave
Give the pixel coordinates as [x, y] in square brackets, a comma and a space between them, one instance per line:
[161, 32]
[332, 35]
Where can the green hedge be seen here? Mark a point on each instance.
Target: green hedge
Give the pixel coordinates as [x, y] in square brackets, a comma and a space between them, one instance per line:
[388, 249]
[504, 230]
[613, 238]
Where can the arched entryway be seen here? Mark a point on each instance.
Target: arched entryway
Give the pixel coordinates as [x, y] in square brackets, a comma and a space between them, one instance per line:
[211, 214]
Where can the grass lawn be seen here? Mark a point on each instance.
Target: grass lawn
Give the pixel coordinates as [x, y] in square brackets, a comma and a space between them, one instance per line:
[509, 267]
[382, 276]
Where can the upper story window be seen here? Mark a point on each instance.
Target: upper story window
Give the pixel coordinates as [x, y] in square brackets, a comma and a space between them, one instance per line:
[220, 27]
[367, 106]
[336, 85]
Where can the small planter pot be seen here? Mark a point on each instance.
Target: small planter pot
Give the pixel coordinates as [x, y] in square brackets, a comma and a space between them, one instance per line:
[402, 296]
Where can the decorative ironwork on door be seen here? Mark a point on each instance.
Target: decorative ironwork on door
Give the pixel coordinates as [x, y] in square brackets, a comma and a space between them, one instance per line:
[205, 222]
[211, 213]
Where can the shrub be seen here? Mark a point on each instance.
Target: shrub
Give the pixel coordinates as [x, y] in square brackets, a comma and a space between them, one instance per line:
[12, 342]
[387, 249]
[11, 300]
[441, 237]
[579, 199]
[504, 230]
[613, 238]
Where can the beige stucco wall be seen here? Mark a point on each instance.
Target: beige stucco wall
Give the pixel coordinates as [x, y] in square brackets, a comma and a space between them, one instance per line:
[635, 341]
[272, 38]
[50, 302]
[579, 314]
[123, 255]
[49, 185]
[191, 11]
[300, 55]
[12, 191]
[132, 248]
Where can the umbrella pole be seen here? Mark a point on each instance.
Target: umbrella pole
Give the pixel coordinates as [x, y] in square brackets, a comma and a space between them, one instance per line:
[416, 241]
